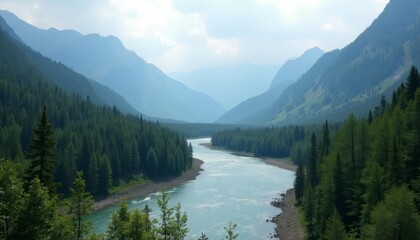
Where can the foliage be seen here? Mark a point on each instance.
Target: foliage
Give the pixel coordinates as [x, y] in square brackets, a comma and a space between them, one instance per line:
[369, 178]
[230, 231]
[42, 155]
[85, 134]
[80, 205]
[398, 213]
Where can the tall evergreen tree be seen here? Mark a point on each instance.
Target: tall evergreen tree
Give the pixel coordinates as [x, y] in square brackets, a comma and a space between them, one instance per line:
[42, 154]
[11, 198]
[299, 184]
[325, 144]
[413, 82]
[80, 205]
[104, 176]
[312, 163]
[335, 228]
[39, 212]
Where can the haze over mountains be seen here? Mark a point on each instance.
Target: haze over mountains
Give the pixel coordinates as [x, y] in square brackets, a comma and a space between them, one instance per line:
[354, 78]
[286, 75]
[105, 60]
[67, 79]
[229, 85]
[310, 88]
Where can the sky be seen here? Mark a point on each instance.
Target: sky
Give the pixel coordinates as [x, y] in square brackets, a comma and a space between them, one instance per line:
[183, 35]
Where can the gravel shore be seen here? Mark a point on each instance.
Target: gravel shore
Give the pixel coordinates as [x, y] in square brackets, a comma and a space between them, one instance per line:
[288, 224]
[151, 187]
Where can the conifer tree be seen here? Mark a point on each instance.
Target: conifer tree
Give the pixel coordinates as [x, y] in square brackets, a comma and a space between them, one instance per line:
[104, 176]
[80, 205]
[11, 198]
[42, 154]
[396, 217]
[299, 184]
[325, 140]
[335, 228]
[413, 82]
[313, 157]
[39, 212]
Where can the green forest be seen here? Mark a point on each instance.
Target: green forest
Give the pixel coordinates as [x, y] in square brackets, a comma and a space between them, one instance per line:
[359, 179]
[108, 146]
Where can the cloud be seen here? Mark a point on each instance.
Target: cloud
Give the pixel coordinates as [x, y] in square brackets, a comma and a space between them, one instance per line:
[224, 47]
[182, 35]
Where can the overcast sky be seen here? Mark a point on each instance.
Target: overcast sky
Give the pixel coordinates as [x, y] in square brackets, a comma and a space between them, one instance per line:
[179, 35]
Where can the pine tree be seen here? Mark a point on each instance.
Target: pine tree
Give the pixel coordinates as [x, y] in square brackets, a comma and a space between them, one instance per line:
[80, 205]
[299, 182]
[230, 231]
[413, 82]
[42, 154]
[11, 198]
[152, 163]
[313, 157]
[104, 176]
[118, 227]
[39, 212]
[325, 140]
[335, 228]
[396, 217]
[339, 186]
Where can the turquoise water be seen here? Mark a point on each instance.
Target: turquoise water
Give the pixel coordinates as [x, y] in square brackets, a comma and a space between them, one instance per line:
[231, 188]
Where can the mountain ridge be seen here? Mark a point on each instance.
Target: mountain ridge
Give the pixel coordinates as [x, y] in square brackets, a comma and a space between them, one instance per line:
[373, 64]
[289, 72]
[106, 60]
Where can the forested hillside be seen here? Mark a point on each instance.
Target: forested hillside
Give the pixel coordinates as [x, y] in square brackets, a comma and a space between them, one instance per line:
[358, 179]
[106, 60]
[354, 78]
[367, 184]
[101, 141]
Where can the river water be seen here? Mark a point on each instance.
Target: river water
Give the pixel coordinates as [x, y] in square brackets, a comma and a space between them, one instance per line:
[231, 188]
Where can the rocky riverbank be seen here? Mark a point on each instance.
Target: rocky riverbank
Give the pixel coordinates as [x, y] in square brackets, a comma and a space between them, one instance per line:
[288, 223]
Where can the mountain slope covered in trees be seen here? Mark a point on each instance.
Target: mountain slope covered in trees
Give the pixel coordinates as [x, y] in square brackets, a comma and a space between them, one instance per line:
[359, 179]
[107, 61]
[105, 144]
[286, 75]
[67, 79]
[354, 78]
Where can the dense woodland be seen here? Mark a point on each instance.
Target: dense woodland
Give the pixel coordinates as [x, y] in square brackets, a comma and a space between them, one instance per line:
[277, 142]
[105, 144]
[356, 180]
[366, 183]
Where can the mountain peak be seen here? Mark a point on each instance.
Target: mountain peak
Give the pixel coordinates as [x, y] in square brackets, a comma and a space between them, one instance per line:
[295, 67]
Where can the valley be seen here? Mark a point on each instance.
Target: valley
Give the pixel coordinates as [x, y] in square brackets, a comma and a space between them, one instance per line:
[176, 120]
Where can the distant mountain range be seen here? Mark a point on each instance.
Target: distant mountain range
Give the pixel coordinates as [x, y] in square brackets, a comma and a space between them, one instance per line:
[67, 79]
[107, 61]
[286, 75]
[354, 78]
[229, 85]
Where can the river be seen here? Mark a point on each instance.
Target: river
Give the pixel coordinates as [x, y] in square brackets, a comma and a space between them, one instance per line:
[231, 188]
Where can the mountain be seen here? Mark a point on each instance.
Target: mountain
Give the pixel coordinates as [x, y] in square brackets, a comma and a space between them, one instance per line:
[354, 78]
[67, 79]
[294, 68]
[289, 73]
[107, 61]
[229, 85]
